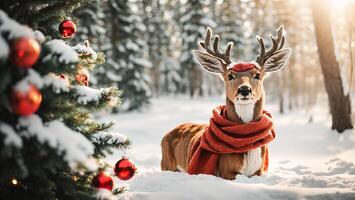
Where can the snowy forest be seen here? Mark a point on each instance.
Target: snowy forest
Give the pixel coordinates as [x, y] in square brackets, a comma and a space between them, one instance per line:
[148, 47]
[94, 95]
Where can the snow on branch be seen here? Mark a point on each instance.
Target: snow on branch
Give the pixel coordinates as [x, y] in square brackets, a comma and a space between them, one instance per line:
[50, 80]
[87, 95]
[85, 50]
[77, 148]
[64, 52]
[12, 29]
[110, 139]
[11, 137]
[32, 78]
[58, 84]
[104, 194]
[4, 53]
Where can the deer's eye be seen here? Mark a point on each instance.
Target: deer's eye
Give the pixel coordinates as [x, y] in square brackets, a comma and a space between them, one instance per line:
[257, 76]
[230, 77]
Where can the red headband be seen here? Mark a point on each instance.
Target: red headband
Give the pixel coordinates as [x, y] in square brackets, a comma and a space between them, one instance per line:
[243, 66]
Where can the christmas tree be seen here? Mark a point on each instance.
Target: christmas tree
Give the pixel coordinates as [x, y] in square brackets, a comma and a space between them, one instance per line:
[50, 145]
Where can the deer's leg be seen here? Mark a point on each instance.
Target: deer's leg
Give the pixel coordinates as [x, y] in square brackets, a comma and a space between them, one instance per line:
[261, 171]
[175, 146]
[168, 162]
[230, 165]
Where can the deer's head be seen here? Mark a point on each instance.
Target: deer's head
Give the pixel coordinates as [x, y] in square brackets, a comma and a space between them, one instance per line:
[243, 80]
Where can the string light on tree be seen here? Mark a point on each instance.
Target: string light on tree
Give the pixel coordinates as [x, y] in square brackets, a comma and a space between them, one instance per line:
[24, 52]
[67, 28]
[14, 181]
[25, 103]
[125, 169]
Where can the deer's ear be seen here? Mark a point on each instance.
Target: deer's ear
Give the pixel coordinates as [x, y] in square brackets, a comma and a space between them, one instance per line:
[209, 62]
[277, 61]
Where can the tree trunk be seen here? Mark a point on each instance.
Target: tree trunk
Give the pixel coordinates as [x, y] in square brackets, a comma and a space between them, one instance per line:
[339, 103]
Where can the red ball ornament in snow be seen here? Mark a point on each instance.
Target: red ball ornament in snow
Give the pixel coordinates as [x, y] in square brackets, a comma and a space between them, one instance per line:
[24, 52]
[67, 29]
[125, 169]
[102, 181]
[25, 103]
[82, 77]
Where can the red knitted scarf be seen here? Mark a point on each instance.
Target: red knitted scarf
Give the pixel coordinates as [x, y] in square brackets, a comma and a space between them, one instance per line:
[223, 137]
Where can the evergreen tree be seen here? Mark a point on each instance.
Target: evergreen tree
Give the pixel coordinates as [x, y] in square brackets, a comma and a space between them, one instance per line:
[193, 26]
[165, 70]
[127, 64]
[230, 26]
[52, 152]
[93, 27]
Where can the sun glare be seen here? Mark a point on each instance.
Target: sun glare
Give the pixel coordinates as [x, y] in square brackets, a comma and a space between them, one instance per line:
[339, 4]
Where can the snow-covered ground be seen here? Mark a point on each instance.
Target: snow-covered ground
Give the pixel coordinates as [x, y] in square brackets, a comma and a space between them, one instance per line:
[307, 159]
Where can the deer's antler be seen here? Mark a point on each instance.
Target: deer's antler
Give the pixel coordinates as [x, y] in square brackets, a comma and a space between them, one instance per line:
[277, 44]
[214, 51]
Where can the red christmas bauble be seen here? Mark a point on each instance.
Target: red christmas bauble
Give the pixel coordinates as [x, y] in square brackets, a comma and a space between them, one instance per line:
[24, 52]
[102, 180]
[82, 77]
[26, 103]
[67, 29]
[125, 169]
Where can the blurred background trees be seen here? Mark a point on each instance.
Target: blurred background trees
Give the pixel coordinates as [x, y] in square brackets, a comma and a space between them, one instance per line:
[149, 43]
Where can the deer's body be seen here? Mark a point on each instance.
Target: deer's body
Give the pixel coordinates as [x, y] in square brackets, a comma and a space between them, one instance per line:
[244, 103]
[177, 144]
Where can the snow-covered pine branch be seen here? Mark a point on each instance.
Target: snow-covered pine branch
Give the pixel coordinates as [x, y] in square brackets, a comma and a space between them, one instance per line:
[108, 142]
[57, 84]
[85, 50]
[86, 95]
[61, 51]
[77, 148]
[11, 137]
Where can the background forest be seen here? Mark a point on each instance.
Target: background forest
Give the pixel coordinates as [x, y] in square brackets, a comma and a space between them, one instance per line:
[148, 45]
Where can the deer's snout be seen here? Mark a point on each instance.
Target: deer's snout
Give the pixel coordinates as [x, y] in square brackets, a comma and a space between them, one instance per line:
[244, 91]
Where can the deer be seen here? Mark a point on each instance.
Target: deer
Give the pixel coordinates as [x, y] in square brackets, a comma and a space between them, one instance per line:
[245, 99]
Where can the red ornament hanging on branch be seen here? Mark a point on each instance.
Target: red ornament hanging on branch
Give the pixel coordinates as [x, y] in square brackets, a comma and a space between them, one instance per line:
[125, 169]
[67, 28]
[102, 181]
[24, 52]
[26, 103]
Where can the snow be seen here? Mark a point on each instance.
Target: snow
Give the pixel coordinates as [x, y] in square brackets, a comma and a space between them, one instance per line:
[39, 36]
[104, 194]
[344, 77]
[64, 52]
[141, 61]
[4, 53]
[11, 137]
[77, 149]
[132, 46]
[85, 50]
[58, 84]
[307, 160]
[32, 78]
[12, 29]
[109, 138]
[87, 94]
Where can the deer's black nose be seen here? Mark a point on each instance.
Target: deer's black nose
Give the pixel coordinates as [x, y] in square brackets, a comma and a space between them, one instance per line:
[244, 90]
